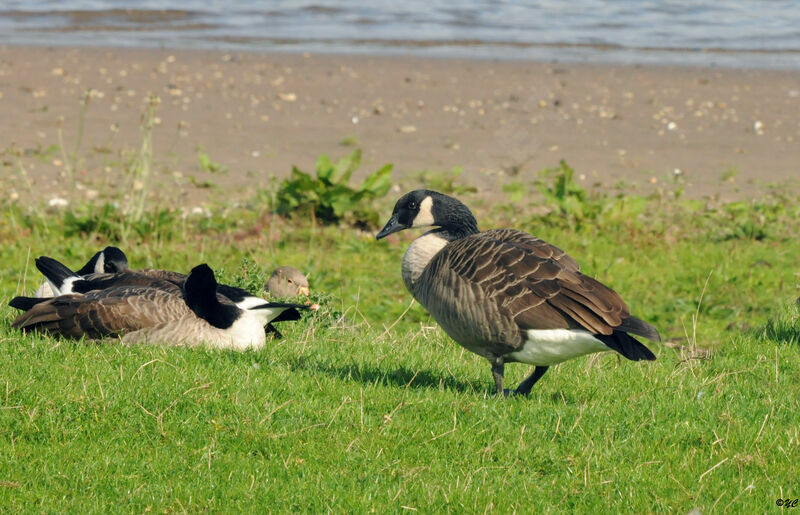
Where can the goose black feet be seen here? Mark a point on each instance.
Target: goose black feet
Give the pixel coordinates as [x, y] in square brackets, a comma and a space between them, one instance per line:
[525, 386]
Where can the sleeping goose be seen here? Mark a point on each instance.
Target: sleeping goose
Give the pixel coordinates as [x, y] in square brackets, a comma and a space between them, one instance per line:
[64, 281]
[507, 295]
[191, 316]
[109, 260]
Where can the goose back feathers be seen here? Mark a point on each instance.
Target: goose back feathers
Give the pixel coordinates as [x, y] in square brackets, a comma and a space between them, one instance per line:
[158, 312]
[507, 295]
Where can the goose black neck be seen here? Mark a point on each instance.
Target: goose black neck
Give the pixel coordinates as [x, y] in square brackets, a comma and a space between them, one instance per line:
[453, 217]
[90, 267]
[200, 293]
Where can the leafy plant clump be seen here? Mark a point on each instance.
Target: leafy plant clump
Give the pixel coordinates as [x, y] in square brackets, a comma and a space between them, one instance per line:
[329, 198]
[567, 198]
[572, 206]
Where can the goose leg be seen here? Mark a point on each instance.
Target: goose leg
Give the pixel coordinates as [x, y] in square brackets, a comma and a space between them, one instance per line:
[525, 386]
[272, 329]
[498, 370]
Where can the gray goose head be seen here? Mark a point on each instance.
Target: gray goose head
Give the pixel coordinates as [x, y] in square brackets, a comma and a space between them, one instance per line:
[507, 295]
[287, 281]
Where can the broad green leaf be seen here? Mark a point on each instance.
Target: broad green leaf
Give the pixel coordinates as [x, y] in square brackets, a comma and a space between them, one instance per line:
[346, 166]
[379, 182]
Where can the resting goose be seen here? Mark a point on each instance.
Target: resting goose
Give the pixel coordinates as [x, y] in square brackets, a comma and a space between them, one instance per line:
[191, 316]
[287, 281]
[109, 260]
[507, 295]
[64, 281]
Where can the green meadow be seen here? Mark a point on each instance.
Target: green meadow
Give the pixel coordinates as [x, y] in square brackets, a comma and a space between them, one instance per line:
[367, 405]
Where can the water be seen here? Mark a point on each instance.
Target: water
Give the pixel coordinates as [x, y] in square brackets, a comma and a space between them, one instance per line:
[731, 33]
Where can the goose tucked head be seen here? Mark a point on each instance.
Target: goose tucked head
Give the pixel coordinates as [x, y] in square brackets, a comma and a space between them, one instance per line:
[114, 260]
[426, 208]
[200, 292]
[110, 260]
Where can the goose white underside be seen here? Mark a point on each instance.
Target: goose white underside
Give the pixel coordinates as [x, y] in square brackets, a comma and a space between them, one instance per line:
[246, 333]
[545, 347]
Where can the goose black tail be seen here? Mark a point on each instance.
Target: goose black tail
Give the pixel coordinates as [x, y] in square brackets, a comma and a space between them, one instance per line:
[626, 345]
[54, 272]
[639, 327]
[290, 314]
[26, 303]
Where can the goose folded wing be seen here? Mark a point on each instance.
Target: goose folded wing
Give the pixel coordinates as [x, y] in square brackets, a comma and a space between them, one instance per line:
[536, 246]
[105, 281]
[537, 289]
[110, 312]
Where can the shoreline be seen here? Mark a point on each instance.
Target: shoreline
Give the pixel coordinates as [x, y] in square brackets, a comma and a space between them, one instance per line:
[600, 54]
[715, 132]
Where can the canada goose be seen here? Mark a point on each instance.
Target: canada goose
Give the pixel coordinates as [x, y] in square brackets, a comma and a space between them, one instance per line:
[287, 281]
[192, 316]
[63, 281]
[507, 295]
[109, 260]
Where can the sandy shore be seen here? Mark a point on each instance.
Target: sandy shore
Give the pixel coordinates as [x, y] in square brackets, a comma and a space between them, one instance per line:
[730, 133]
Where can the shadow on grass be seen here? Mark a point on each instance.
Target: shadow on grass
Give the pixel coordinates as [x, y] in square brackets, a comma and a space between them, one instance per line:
[783, 327]
[398, 376]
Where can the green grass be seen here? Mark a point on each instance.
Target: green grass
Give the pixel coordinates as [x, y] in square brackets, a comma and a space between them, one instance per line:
[382, 411]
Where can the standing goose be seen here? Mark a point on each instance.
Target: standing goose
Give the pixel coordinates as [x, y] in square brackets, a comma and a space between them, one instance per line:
[109, 260]
[191, 316]
[507, 295]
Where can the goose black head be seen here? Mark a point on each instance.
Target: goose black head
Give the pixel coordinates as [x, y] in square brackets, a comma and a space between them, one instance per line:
[200, 292]
[110, 260]
[114, 260]
[426, 208]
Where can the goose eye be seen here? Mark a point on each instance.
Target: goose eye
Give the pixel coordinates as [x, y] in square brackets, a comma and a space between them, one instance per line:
[412, 205]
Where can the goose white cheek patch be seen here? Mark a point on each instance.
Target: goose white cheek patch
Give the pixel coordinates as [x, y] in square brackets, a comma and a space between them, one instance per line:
[100, 265]
[425, 216]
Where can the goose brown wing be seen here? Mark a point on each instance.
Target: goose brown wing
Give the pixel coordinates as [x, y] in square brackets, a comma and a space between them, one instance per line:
[164, 275]
[131, 278]
[536, 246]
[166, 280]
[527, 282]
[109, 312]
